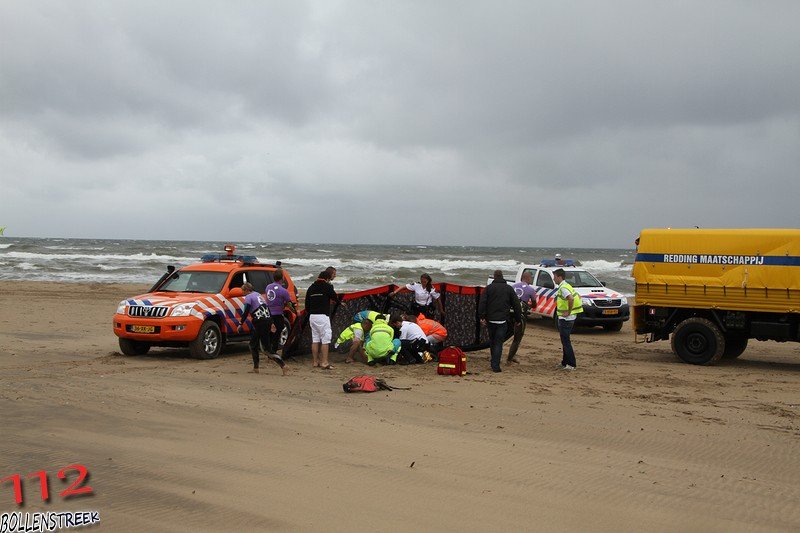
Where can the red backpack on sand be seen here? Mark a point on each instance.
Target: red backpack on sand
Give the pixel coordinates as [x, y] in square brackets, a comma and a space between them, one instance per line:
[368, 384]
[452, 362]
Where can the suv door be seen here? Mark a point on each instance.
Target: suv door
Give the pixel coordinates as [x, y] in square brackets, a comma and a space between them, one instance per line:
[259, 278]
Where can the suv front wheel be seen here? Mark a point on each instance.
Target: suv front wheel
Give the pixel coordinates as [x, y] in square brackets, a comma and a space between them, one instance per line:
[129, 347]
[208, 343]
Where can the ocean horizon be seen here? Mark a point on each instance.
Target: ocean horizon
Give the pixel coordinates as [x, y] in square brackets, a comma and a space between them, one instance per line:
[359, 266]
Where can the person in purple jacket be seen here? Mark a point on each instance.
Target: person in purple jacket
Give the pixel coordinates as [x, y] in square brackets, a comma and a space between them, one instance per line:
[277, 299]
[527, 299]
[255, 305]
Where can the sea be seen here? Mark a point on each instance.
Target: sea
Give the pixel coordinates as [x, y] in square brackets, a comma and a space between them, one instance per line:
[359, 266]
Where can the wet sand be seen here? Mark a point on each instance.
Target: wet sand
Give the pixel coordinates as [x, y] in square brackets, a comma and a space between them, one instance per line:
[633, 440]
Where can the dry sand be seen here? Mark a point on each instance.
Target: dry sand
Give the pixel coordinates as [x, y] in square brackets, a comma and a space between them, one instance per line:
[631, 441]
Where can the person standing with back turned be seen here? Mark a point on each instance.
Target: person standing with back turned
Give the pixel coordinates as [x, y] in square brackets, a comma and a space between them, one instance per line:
[527, 297]
[494, 308]
[568, 305]
[277, 298]
[318, 306]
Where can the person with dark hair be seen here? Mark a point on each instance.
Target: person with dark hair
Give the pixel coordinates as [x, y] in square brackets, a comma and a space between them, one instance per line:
[318, 306]
[260, 334]
[568, 305]
[278, 298]
[352, 338]
[425, 297]
[412, 340]
[332, 271]
[497, 302]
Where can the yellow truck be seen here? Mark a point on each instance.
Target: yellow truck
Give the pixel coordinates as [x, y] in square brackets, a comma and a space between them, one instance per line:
[711, 290]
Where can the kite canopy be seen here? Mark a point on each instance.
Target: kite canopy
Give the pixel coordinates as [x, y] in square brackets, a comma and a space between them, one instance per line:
[460, 304]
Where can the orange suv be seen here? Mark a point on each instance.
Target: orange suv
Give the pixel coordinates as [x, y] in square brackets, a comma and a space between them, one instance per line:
[198, 306]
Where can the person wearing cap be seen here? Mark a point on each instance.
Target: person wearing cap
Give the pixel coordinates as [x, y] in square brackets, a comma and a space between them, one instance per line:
[559, 261]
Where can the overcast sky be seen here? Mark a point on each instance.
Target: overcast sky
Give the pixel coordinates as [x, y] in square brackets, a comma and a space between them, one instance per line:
[527, 123]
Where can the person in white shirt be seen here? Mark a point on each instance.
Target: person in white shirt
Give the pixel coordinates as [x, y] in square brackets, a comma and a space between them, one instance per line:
[425, 297]
[413, 340]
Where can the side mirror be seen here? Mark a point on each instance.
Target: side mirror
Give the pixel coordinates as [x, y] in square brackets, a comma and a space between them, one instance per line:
[603, 283]
[235, 292]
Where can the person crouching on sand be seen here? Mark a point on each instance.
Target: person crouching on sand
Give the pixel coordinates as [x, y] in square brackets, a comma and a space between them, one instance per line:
[352, 339]
[255, 304]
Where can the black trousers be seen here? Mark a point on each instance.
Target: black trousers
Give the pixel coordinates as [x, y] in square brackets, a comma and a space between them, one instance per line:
[261, 335]
[409, 351]
[280, 322]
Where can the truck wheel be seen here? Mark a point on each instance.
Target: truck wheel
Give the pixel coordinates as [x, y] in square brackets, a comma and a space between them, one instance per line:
[129, 347]
[208, 343]
[614, 326]
[698, 341]
[735, 345]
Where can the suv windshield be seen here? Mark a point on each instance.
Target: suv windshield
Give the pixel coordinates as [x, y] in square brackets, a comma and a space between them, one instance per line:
[195, 281]
[581, 278]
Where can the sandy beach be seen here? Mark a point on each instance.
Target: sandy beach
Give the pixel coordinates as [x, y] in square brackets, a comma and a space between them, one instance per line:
[633, 440]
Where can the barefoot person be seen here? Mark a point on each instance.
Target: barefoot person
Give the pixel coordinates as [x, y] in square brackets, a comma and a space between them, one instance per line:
[278, 298]
[318, 306]
[260, 333]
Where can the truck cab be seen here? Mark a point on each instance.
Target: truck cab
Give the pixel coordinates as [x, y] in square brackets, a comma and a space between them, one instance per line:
[709, 291]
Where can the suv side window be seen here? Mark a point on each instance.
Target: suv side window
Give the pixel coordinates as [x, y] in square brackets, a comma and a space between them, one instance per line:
[545, 280]
[259, 278]
[236, 280]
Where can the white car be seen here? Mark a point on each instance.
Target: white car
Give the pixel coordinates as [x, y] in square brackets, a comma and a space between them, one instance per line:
[602, 306]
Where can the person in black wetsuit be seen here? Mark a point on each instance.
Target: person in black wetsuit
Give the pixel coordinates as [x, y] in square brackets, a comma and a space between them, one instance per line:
[255, 305]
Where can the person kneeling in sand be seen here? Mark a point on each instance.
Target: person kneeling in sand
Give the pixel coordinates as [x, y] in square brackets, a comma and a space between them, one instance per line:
[434, 332]
[381, 345]
[413, 341]
[353, 338]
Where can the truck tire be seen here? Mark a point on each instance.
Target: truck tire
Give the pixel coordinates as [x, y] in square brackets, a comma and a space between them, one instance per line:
[208, 343]
[614, 326]
[130, 347]
[698, 341]
[735, 345]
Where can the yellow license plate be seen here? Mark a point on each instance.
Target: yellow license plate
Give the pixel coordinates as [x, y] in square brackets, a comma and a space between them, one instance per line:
[143, 329]
[610, 311]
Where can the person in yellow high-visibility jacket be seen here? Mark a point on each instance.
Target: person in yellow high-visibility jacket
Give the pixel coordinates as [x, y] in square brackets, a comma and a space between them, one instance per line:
[568, 305]
[352, 338]
[381, 345]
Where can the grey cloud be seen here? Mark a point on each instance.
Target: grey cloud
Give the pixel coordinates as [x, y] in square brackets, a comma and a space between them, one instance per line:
[482, 120]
